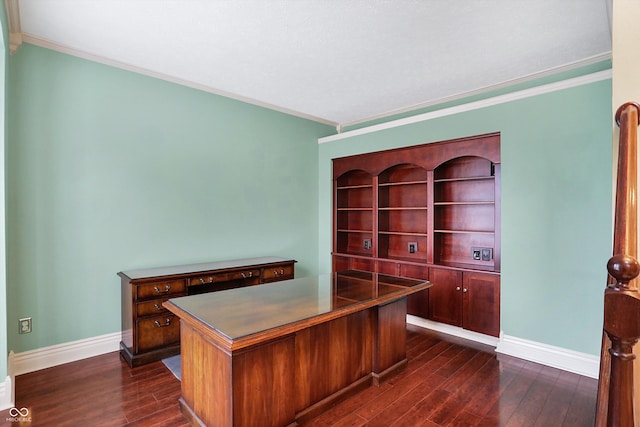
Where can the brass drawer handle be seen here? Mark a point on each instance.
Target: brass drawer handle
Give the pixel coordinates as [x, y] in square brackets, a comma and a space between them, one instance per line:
[244, 276]
[278, 273]
[167, 288]
[158, 307]
[163, 325]
[202, 282]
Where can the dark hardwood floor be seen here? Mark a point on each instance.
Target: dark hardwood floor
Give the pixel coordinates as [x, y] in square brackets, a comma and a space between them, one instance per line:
[449, 382]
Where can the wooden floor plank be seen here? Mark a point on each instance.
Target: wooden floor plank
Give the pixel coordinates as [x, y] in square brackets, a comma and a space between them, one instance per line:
[447, 382]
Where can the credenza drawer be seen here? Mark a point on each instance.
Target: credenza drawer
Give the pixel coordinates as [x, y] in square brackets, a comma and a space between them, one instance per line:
[158, 331]
[278, 272]
[150, 308]
[224, 277]
[160, 289]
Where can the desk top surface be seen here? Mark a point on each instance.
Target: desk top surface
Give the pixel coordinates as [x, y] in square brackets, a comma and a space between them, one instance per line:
[237, 313]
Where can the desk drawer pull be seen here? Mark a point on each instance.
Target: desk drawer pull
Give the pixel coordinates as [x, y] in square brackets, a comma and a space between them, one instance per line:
[244, 276]
[158, 307]
[163, 325]
[279, 273]
[202, 281]
[167, 288]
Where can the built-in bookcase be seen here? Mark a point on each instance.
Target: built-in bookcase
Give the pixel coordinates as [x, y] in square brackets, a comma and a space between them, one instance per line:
[402, 213]
[354, 213]
[465, 212]
[428, 207]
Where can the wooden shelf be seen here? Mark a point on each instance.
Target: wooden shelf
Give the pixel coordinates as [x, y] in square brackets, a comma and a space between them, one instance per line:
[464, 232]
[463, 203]
[469, 178]
[402, 233]
[352, 187]
[403, 208]
[389, 184]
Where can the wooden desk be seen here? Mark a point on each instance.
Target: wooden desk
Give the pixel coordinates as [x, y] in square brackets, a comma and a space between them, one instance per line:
[276, 354]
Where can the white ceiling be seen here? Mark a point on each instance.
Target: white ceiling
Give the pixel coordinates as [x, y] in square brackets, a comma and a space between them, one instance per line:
[335, 61]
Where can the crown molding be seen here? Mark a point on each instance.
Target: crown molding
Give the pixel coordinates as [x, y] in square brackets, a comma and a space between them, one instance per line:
[503, 85]
[15, 31]
[36, 41]
[476, 105]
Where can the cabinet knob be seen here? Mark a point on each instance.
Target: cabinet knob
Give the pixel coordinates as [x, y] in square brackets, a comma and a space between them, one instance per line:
[457, 288]
[465, 290]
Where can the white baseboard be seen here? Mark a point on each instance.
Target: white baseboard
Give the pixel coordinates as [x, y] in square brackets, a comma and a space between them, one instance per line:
[6, 394]
[544, 354]
[452, 330]
[557, 357]
[46, 357]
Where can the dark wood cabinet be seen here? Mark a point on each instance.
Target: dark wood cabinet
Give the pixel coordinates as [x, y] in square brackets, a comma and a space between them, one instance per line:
[481, 303]
[149, 331]
[445, 296]
[426, 211]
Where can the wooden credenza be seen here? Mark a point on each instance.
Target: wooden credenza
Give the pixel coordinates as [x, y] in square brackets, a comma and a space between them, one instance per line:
[149, 331]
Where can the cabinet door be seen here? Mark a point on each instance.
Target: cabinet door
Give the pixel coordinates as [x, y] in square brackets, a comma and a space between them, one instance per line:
[481, 303]
[445, 296]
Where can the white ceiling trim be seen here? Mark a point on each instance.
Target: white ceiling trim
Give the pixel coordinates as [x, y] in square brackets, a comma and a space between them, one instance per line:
[513, 96]
[36, 41]
[27, 38]
[531, 77]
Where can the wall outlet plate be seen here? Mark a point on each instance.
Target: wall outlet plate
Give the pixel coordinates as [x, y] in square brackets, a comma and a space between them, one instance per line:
[476, 253]
[367, 243]
[487, 254]
[413, 247]
[24, 325]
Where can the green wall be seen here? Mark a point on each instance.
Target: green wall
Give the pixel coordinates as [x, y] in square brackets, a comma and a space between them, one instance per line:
[556, 205]
[108, 170]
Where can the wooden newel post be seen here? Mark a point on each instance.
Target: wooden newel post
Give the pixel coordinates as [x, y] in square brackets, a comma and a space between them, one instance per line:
[621, 308]
[621, 299]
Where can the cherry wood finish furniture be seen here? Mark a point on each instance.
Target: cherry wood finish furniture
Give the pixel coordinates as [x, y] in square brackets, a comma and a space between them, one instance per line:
[429, 211]
[279, 354]
[149, 331]
[619, 385]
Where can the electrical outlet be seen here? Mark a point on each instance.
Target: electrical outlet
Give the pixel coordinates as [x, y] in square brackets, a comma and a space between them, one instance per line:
[413, 247]
[24, 325]
[476, 253]
[367, 243]
[487, 254]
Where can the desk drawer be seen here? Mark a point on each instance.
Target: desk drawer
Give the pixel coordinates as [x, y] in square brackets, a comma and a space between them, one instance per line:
[277, 272]
[224, 277]
[160, 289]
[158, 331]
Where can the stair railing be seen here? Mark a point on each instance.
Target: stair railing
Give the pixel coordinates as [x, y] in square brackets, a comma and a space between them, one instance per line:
[621, 329]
